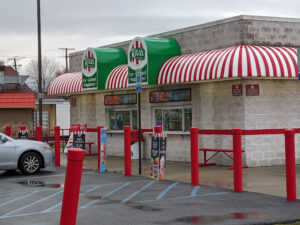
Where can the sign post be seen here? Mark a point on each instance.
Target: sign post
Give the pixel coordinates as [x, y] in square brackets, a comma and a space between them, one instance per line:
[139, 90]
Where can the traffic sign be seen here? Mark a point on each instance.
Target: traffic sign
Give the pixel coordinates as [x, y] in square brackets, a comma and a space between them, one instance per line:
[138, 88]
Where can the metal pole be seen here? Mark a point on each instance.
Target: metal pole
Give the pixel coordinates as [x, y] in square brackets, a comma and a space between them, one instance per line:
[140, 133]
[39, 62]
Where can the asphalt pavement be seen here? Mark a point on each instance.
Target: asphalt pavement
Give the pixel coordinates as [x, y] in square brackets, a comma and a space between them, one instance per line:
[112, 198]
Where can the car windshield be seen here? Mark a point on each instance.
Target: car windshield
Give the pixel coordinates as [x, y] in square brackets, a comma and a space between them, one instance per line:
[4, 137]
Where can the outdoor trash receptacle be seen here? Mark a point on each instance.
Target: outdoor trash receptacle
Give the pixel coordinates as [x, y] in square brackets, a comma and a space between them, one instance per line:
[158, 156]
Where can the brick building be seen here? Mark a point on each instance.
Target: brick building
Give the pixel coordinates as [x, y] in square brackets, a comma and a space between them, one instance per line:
[236, 72]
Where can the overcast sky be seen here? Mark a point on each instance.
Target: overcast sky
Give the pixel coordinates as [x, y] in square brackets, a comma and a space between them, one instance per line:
[91, 23]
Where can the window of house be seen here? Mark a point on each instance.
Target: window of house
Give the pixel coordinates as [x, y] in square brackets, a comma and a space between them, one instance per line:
[117, 119]
[174, 119]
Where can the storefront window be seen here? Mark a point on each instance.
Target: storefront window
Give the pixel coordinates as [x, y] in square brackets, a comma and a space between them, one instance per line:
[118, 119]
[174, 119]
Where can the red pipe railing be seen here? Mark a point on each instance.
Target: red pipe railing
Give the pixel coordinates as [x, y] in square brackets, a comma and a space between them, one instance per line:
[237, 155]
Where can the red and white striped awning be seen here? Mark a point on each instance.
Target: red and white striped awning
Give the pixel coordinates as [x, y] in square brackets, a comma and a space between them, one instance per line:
[118, 78]
[238, 61]
[66, 84]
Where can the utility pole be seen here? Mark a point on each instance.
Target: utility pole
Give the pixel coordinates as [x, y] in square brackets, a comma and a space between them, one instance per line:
[66, 56]
[39, 63]
[15, 58]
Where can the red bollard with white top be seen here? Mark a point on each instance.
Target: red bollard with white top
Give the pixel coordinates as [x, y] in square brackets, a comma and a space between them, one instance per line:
[72, 187]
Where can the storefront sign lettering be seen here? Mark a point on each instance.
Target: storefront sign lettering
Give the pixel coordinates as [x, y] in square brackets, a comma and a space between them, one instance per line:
[137, 53]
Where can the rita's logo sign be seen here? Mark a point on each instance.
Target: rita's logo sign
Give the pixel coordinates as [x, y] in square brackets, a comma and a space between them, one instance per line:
[89, 62]
[137, 53]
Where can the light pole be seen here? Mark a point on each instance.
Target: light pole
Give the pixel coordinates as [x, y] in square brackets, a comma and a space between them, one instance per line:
[39, 62]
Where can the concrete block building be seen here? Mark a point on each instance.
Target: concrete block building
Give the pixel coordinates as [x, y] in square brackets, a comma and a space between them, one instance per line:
[237, 72]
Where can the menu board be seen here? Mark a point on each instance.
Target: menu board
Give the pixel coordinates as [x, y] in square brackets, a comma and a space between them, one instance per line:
[125, 99]
[170, 95]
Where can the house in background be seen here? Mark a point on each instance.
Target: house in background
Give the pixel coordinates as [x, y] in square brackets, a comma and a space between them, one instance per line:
[56, 111]
[19, 104]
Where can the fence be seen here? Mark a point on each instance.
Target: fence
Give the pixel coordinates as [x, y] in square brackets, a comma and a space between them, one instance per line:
[237, 155]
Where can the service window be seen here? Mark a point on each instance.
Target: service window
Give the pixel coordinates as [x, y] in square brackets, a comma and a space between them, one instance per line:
[117, 119]
[174, 119]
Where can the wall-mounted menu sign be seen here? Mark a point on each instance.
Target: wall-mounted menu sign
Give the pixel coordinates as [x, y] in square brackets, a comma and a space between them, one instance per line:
[125, 99]
[170, 95]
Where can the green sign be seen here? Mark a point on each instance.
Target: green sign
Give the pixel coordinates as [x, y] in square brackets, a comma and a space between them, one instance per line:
[137, 53]
[89, 70]
[89, 62]
[137, 61]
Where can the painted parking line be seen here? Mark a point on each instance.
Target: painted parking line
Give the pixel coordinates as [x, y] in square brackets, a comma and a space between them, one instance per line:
[106, 205]
[137, 192]
[34, 177]
[194, 191]
[29, 205]
[82, 194]
[19, 198]
[164, 192]
[105, 196]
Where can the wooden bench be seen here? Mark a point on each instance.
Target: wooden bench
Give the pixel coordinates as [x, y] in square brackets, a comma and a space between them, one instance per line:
[217, 151]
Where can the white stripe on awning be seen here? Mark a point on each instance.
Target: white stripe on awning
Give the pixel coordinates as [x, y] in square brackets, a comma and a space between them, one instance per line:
[118, 78]
[238, 61]
[66, 84]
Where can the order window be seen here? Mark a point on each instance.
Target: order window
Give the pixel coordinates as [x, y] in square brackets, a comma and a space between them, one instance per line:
[174, 119]
[117, 119]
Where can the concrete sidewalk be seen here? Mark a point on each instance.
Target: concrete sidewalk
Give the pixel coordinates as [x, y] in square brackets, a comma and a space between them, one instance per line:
[266, 180]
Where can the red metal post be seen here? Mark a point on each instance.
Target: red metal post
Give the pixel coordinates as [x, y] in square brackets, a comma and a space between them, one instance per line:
[194, 156]
[290, 165]
[127, 150]
[237, 160]
[57, 145]
[99, 145]
[8, 130]
[158, 129]
[38, 133]
[72, 187]
[22, 127]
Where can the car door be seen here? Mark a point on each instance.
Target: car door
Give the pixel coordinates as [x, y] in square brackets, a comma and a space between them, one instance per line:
[7, 153]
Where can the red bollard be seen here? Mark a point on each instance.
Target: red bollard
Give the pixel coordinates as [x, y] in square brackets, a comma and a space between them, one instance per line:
[72, 187]
[57, 145]
[194, 156]
[8, 130]
[158, 129]
[127, 150]
[290, 165]
[38, 133]
[237, 160]
[99, 145]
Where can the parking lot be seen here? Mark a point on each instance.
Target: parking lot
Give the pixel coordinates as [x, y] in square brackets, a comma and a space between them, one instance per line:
[112, 198]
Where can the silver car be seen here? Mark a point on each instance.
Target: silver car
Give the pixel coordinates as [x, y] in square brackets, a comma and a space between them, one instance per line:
[27, 156]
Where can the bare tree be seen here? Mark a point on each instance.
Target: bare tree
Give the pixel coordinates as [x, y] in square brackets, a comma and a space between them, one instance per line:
[50, 69]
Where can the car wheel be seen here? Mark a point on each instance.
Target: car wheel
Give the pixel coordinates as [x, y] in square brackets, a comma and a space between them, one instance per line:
[30, 163]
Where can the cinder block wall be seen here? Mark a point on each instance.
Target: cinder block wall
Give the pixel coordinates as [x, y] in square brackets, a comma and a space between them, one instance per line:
[277, 106]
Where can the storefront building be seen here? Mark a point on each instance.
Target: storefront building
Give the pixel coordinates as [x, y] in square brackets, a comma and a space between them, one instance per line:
[237, 72]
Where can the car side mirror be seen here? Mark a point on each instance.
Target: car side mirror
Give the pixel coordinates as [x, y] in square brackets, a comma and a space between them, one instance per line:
[4, 139]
